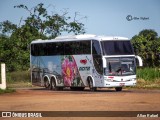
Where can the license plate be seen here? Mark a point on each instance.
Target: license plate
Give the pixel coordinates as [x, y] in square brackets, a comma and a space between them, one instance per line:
[121, 84]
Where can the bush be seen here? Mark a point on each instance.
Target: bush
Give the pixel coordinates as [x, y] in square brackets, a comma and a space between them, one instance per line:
[8, 90]
[18, 76]
[148, 74]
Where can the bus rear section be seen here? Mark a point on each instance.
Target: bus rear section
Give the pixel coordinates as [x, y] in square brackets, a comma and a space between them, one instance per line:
[56, 64]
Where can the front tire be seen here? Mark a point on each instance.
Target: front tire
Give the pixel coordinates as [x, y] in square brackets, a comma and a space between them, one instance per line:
[118, 89]
[90, 83]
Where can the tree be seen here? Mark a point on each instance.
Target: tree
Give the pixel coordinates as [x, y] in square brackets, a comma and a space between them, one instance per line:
[15, 39]
[51, 25]
[149, 34]
[147, 45]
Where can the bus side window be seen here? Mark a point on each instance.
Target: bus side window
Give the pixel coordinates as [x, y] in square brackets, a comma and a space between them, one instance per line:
[59, 48]
[33, 50]
[86, 47]
[69, 48]
[96, 50]
[77, 48]
[80, 47]
[50, 48]
[97, 58]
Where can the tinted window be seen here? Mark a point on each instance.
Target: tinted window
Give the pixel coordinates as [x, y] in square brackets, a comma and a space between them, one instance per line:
[96, 47]
[117, 48]
[61, 48]
[47, 49]
[76, 48]
[35, 49]
[58, 49]
[85, 47]
[52, 48]
[69, 48]
[97, 60]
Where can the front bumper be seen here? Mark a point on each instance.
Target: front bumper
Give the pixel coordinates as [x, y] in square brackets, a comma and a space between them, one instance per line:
[120, 84]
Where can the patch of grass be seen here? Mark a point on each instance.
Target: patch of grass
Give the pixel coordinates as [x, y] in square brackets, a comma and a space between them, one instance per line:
[20, 84]
[148, 74]
[148, 78]
[19, 79]
[7, 90]
[18, 76]
[143, 84]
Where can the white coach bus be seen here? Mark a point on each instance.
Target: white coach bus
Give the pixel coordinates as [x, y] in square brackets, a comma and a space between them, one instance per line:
[81, 61]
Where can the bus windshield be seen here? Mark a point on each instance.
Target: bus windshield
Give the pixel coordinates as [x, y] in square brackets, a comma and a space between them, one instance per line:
[122, 47]
[120, 66]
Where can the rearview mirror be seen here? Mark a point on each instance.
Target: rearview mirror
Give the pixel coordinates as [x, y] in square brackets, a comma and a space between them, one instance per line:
[140, 62]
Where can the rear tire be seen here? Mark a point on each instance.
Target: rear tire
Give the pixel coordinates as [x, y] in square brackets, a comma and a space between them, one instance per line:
[46, 83]
[118, 89]
[53, 84]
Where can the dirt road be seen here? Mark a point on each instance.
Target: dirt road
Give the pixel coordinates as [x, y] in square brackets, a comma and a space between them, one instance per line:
[39, 99]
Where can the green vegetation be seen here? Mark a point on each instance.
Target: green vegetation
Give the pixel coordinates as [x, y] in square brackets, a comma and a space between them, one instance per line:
[142, 84]
[8, 90]
[18, 76]
[148, 74]
[147, 45]
[16, 38]
[148, 78]
[19, 79]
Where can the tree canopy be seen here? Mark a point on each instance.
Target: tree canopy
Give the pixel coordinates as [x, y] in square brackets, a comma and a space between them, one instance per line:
[15, 39]
[147, 45]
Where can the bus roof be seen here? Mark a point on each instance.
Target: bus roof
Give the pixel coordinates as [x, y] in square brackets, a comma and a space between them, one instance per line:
[81, 37]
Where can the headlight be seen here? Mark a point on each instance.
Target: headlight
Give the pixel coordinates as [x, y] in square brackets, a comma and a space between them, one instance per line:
[133, 79]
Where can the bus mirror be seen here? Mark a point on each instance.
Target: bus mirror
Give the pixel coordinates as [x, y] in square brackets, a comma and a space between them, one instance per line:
[139, 60]
[104, 62]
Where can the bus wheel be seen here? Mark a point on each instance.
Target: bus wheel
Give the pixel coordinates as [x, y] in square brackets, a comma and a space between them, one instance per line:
[118, 89]
[46, 83]
[53, 84]
[90, 82]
